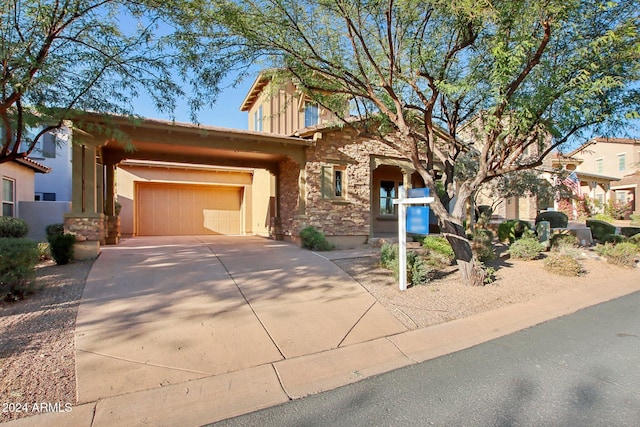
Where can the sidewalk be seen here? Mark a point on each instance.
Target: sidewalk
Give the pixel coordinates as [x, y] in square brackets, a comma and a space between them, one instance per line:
[255, 326]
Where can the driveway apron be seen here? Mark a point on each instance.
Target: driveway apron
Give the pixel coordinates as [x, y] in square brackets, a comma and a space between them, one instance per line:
[163, 310]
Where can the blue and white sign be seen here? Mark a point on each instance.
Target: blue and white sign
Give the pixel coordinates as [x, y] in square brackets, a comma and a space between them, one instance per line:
[418, 216]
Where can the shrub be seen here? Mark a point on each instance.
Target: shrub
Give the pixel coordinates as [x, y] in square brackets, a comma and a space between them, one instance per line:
[44, 251]
[623, 254]
[635, 239]
[481, 245]
[18, 258]
[526, 249]
[439, 250]
[61, 247]
[314, 239]
[599, 229]
[629, 231]
[53, 229]
[612, 238]
[13, 227]
[604, 218]
[512, 230]
[563, 265]
[417, 270]
[617, 209]
[635, 219]
[556, 219]
[561, 240]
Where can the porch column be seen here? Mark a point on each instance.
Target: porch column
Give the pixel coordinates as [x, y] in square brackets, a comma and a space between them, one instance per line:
[84, 220]
[113, 220]
[406, 177]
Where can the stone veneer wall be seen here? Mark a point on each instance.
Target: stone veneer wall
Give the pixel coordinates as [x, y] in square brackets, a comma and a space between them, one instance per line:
[87, 228]
[349, 216]
[288, 189]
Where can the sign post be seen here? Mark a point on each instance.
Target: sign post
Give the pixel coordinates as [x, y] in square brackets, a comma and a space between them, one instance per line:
[419, 223]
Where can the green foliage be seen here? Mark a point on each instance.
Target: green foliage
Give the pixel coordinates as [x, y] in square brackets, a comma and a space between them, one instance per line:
[561, 240]
[44, 251]
[604, 218]
[53, 229]
[482, 246]
[624, 254]
[635, 239]
[526, 249]
[439, 246]
[18, 258]
[512, 230]
[599, 229]
[564, 265]
[629, 231]
[417, 269]
[13, 227]
[612, 238]
[556, 219]
[617, 209]
[80, 56]
[635, 219]
[61, 247]
[314, 239]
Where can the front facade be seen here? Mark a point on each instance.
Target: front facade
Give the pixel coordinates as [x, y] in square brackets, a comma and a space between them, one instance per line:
[615, 158]
[18, 184]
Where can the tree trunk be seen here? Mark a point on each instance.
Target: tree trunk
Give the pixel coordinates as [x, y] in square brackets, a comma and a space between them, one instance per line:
[470, 269]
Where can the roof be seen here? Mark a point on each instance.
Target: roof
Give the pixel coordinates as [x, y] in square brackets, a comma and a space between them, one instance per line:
[254, 93]
[32, 164]
[604, 140]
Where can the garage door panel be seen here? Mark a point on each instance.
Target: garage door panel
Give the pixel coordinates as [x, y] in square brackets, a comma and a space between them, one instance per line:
[176, 209]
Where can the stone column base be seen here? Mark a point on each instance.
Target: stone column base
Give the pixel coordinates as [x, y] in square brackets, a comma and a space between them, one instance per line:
[113, 230]
[89, 232]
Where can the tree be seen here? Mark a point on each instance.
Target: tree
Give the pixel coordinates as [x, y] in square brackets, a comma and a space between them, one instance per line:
[60, 56]
[418, 72]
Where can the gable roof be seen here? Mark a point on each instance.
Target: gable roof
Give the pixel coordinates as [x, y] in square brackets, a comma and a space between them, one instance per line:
[254, 93]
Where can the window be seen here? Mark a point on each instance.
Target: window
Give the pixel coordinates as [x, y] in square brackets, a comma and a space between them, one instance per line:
[387, 194]
[49, 197]
[621, 196]
[334, 182]
[257, 119]
[311, 114]
[8, 197]
[621, 162]
[49, 145]
[599, 166]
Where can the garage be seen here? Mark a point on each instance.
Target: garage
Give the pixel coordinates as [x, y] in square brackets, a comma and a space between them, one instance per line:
[165, 209]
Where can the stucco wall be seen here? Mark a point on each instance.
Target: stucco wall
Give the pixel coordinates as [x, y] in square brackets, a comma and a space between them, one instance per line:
[23, 177]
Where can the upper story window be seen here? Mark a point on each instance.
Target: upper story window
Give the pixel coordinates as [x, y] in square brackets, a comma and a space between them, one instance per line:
[311, 114]
[599, 165]
[621, 162]
[8, 197]
[257, 119]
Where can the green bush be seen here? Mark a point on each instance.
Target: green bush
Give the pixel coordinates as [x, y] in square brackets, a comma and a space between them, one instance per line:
[599, 229]
[526, 249]
[417, 270]
[604, 218]
[61, 247]
[18, 258]
[512, 230]
[629, 231]
[44, 251]
[53, 229]
[556, 219]
[563, 265]
[314, 239]
[561, 240]
[438, 250]
[635, 239]
[635, 219]
[623, 254]
[13, 227]
[481, 245]
[612, 238]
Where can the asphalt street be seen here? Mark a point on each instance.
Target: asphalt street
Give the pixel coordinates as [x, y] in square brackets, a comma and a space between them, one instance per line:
[578, 370]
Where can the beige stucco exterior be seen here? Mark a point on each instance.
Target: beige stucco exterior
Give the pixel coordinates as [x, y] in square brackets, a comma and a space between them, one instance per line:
[21, 174]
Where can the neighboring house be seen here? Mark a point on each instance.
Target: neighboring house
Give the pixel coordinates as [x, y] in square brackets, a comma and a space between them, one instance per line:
[617, 159]
[18, 184]
[54, 151]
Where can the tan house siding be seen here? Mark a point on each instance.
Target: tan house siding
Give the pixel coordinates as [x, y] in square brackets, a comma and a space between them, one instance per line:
[23, 179]
[607, 151]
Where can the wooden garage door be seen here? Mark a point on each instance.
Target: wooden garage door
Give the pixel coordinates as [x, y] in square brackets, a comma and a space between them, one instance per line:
[178, 209]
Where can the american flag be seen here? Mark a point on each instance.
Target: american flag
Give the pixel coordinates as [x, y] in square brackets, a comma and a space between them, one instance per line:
[572, 182]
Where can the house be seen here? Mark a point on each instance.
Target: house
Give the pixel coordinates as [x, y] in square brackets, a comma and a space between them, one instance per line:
[294, 168]
[615, 158]
[54, 151]
[18, 184]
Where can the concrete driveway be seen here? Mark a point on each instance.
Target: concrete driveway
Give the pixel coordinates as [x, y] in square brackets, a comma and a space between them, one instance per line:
[158, 311]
